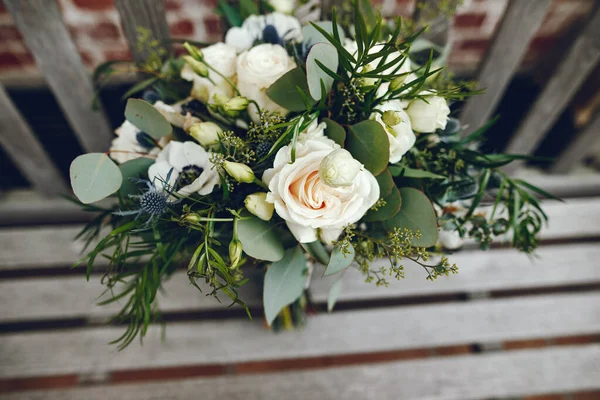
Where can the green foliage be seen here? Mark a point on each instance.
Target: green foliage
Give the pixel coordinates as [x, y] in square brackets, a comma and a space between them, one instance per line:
[132, 170]
[291, 91]
[341, 258]
[259, 239]
[334, 292]
[369, 144]
[94, 176]
[321, 66]
[284, 282]
[147, 118]
[335, 131]
[416, 215]
[392, 206]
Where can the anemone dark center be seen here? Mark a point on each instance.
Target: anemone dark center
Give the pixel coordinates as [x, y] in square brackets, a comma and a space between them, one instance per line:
[189, 174]
[153, 202]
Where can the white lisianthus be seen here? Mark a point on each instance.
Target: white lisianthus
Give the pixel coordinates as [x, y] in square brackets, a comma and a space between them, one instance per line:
[309, 206]
[283, 6]
[258, 69]
[339, 168]
[400, 135]
[188, 165]
[238, 171]
[221, 57]
[206, 133]
[243, 38]
[428, 116]
[258, 205]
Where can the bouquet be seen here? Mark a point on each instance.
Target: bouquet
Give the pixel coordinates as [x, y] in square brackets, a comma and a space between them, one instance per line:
[288, 151]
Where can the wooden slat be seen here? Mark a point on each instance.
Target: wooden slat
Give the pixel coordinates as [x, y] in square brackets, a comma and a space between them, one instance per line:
[46, 35]
[577, 64]
[499, 375]
[146, 14]
[19, 141]
[72, 297]
[579, 148]
[216, 342]
[51, 246]
[518, 26]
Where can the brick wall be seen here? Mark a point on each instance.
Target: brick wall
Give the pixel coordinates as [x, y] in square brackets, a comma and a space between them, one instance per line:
[96, 30]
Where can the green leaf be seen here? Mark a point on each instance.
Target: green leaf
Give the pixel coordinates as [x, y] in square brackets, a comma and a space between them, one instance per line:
[335, 131]
[317, 251]
[231, 14]
[393, 204]
[139, 87]
[334, 292]
[312, 35]
[247, 8]
[369, 144]
[259, 239]
[413, 173]
[416, 214]
[328, 56]
[133, 169]
[339, 261]
[147, 118]
[386, 183]
[284, 282]
[94, 176]
[285, 90]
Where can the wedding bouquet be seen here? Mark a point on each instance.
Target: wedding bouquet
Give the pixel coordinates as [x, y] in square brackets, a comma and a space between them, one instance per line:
[292, 150]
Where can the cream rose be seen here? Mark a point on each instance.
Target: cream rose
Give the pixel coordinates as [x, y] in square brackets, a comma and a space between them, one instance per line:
[310, 208]
[258, 69]
[221, 57]
[428, 116]
[398, 128]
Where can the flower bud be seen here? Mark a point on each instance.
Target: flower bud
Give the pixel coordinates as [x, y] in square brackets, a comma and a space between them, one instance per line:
[233, 107]
[367, 83]
[339, 168]
[191, 219]
[206, 133]
[238, 171]
[219, 99]
[391, 118]
[283, 6]
[397, 82]
[195, 52]
[257, 204]
[196, 66]
[235, 252]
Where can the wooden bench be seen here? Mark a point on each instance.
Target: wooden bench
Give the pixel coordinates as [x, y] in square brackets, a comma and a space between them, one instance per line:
[506, 326]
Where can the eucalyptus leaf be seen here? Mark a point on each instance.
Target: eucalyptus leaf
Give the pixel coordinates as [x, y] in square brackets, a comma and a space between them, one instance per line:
[317, 251]
[393, 204]
[328, 56]
[386, 183]
[259, 239]
[369, 144]
[284, 282]
[133, 169]
[413, 173]
[147, 118]
[285, 90]
[335, 131]
[312, 35]
[339, 261]
[416, 214]
[94, 176]
[334, 293]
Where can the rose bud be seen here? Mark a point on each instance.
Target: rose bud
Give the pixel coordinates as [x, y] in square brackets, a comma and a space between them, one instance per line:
[238, 171]
[428, 116]
[206, 133]
[233, 107]
[257, 204]
[195, 52]
[196, 66]
[339, 168]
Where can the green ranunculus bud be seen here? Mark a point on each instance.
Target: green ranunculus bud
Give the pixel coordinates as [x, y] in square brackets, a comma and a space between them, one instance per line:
[206, 133]
[195, 52]
[257, 204]
[391, 118]
[233, 107]
[196, 66]
[238, 171]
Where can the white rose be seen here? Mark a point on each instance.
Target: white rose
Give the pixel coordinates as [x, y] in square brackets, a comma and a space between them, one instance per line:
[426, 117]
[401, 136]
[283, 6]
[221, 57]
[316, 131]
[306, 203]
[243, 38]
[258, 69]
[185, 163]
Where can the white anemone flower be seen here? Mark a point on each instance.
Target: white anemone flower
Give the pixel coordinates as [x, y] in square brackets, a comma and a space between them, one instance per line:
[285, 26]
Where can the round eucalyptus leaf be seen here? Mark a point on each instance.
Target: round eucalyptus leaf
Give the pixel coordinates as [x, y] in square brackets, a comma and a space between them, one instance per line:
[316, 77]
[259, 239]
[369, 144]
[339, 261]
[131, 170]
[94, 176]
[393, 205]
[147, 118]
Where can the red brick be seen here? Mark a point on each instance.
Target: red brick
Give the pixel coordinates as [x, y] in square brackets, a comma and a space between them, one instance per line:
[2, 8]
[213, 25]
[95, 5]
[87, 58]
[13, 60]
[542, 43]
[105, 30]
[172, 5]
[185, 27]
[469, 20]
[9, 32]
[475, 44]
[117, 54]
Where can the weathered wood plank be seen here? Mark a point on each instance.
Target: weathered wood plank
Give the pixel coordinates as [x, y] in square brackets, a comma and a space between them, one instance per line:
[499, 375]
[518, 26]
[577, 64]
[579, 148]
[26, 152]
[145, 14]
[231, 341]
[53, 246]
[72, 297]
[46, 35]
